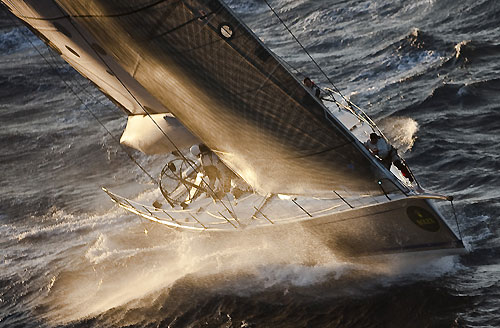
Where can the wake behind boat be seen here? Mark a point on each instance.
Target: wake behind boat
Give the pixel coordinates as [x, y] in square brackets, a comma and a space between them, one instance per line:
[189, 72]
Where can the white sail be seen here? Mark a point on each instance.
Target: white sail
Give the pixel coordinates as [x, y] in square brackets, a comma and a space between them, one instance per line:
[199, 62]
[146, 133]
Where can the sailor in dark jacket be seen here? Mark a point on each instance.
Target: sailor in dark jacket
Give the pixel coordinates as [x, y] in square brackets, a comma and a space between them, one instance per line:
[313, 87]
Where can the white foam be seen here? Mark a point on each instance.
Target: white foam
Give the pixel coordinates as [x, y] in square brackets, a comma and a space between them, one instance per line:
[301, 275]
[129, 265]
[401, 132]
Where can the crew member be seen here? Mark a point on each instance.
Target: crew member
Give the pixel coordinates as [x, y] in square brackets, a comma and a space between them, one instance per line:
[313, 87]
[379, 147]
[387, 154]
[209, 162]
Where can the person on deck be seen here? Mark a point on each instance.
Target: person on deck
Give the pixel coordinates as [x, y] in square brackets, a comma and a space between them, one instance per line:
[378, 146]
[214, 169]
[209, 162]
[313, 87]
[387, 154]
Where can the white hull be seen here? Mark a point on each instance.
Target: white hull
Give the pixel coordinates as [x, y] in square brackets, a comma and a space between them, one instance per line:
[406, 225]
[385, 229]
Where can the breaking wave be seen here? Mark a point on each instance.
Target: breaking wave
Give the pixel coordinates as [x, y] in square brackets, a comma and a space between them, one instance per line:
[401, 132]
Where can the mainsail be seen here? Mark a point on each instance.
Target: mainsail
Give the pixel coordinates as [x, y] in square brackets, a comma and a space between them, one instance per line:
[196, 60]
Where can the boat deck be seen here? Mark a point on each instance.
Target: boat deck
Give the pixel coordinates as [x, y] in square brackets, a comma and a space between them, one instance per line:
[250, 210]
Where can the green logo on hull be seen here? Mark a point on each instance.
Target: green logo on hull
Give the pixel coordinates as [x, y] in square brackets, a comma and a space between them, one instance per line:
[423, 218]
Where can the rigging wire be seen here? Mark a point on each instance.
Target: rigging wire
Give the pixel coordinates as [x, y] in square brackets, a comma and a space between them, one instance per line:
[348, 102]
[305, 50]
[56, 70]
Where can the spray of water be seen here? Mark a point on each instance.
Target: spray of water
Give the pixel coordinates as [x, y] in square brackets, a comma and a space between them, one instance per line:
[401, 132]
[118, 268]
[130, 268]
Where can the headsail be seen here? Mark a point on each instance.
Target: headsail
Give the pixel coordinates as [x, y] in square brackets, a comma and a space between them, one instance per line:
[196, 59]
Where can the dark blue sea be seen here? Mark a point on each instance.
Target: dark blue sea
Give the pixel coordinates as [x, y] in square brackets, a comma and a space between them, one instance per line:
[428, 71]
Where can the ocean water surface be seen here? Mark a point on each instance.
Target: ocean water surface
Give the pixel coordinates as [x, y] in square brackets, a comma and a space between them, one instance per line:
[428, 71]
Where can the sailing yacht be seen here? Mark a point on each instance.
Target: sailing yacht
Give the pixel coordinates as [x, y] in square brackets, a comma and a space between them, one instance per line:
[189, 72]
